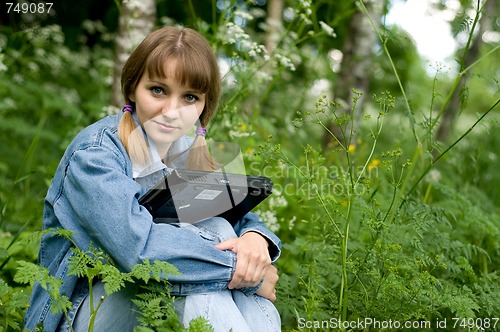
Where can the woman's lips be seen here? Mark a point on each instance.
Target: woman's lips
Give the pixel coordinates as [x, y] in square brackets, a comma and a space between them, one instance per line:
[165, 127]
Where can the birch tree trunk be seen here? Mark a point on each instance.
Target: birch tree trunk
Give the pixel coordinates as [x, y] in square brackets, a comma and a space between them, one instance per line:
[137, 20]
[274, 22]
[355, 67]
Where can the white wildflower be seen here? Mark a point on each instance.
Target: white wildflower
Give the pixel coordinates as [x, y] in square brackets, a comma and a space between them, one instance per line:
[109, 110]
[18, 78]
[54, 62]
[71, 96]
[246, 44]
[285, 61]
[288, 14]
[257, 12]
[107, 63]
[234, 134]
[55, 31]
[256, 50]
[277, 200]
[291, 223]
[108, 80]
[3, 41]
[270, 219]
[234, 33]
[244, 15]
[3, 67]
[305, 18]
[263, 76]
[305, 11]
[305, 3]
[33, 67]
[434, 176]
[328, 29]
[8, 103]
[40, 53]
[166, 21]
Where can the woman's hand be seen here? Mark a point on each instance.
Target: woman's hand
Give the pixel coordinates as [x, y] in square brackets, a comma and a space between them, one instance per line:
[268, 287]
[252, 260]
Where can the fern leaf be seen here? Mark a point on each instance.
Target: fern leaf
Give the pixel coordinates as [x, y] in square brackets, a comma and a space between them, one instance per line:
[113, 279]
[28, 273]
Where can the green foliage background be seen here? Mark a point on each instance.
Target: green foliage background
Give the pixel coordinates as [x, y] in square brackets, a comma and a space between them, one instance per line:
[391, 226]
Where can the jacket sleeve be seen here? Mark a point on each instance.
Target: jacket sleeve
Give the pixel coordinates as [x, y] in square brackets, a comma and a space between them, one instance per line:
[99, 203]
[251, 223]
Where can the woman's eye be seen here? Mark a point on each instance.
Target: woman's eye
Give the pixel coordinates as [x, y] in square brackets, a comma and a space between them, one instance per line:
[156, 90]
[191, 98]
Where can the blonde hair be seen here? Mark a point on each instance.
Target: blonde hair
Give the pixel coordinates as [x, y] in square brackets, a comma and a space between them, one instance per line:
[196, 66]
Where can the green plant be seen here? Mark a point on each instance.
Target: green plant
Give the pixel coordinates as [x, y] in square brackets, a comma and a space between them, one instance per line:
[400, 259]
[154, 303]
[385, 253]
[12, 305]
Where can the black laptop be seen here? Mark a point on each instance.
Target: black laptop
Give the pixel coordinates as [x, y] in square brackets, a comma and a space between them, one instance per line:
[189, 196]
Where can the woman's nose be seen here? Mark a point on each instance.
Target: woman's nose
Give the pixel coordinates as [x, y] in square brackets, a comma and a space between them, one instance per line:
[171, 104]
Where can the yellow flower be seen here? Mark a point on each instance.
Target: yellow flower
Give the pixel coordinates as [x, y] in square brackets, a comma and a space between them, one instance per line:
[351, 148]
[374, 163]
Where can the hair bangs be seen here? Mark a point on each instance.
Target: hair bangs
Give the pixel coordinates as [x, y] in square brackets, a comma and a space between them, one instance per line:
[191, 69]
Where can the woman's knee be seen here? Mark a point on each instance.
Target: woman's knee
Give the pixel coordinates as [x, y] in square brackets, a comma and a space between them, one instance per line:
[116, 311]
[259, 312]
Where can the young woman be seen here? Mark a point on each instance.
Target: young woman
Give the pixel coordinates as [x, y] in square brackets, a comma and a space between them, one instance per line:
[170, 83]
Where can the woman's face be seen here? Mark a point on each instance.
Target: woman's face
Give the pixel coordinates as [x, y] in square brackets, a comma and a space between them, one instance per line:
[166, 109]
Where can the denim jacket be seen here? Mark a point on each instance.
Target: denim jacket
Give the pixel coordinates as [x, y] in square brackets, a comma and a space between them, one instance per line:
[94, 194]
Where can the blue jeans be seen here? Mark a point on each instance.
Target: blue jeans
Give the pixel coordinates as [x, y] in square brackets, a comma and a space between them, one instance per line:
[229, 309]
[116, 313]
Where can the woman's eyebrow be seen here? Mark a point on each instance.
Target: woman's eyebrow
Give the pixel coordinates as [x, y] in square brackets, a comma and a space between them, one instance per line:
[187, 89]
[195, 91]
[156, 82]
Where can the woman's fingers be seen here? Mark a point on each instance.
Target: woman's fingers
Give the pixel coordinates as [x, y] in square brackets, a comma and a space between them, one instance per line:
[251, 267]
[252, 259]
[268, 287]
